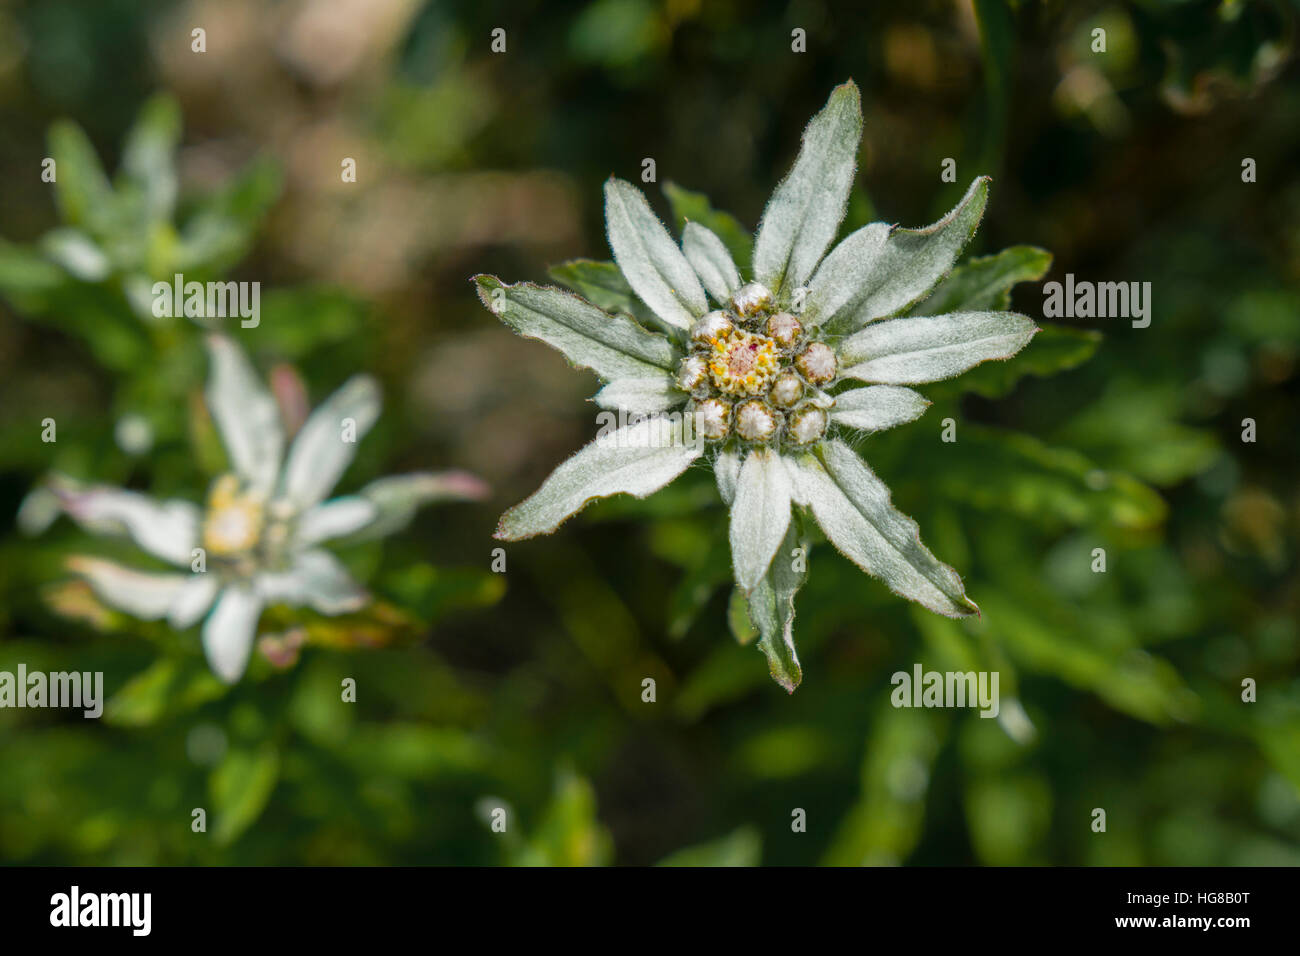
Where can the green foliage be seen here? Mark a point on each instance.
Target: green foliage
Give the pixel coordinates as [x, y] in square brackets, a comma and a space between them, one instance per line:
[524, 690]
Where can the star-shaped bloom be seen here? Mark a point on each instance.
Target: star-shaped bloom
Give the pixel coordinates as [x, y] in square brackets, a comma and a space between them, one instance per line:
[257, 540]
[765, 372]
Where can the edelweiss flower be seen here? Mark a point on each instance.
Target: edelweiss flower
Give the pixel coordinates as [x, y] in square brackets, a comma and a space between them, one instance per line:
[257, 540]
[762, 375]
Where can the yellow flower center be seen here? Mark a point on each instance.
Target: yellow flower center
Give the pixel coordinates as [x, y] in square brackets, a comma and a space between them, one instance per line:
[234, 520]
[742, 363]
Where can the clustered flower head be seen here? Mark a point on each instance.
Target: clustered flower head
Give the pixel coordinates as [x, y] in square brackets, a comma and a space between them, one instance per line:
[257, 541]
[766, 373]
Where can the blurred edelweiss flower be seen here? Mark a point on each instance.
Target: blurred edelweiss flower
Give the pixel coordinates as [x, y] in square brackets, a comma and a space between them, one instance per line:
[256, 542]
[756, 381]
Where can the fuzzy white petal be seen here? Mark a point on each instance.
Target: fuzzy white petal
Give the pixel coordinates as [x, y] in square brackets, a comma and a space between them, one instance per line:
[325, 447]
[245, 414]
[229, 631]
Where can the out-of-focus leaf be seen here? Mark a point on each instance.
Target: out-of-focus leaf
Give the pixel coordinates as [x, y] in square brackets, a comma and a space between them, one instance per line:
[1005, 471]
[741, 847]
[884, 825]
[240, 788]
[82, 189]
[1053, 640]
[569, 833]
[695, 207]
[148, 156]
[429, 592]
[167, 687]
[1134, 425]
[984, 283]
[1055, 348]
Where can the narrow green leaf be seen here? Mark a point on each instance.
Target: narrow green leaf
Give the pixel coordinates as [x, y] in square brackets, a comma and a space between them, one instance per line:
[984, 284]
[240, 789]
[741, 847]
[148, 156]
[600, 283]
[81, 188]
[695, 207]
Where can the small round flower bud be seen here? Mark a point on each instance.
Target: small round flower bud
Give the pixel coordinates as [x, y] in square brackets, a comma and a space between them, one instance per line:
[692, 373]
[817, 363]
[755, 421]
[786, 390]
[751, 299]
[784, 328]
[712, 326]
[807, 425]
[712, 418]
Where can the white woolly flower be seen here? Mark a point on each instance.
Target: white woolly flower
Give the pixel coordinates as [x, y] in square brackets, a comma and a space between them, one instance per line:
[762, 371]
[257, 539]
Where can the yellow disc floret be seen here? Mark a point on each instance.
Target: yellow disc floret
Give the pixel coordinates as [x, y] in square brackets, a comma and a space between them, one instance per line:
[233, 522]
[742, 363]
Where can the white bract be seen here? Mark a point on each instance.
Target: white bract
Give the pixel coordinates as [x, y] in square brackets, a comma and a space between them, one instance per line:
[257, 541]
[768, 367]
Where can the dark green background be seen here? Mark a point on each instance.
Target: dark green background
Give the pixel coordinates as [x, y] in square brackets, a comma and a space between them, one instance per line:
[523, 690]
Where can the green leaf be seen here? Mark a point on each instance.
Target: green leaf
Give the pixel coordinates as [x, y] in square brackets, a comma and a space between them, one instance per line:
[613, 346]
[168, 686]
[984, 284]
[742, 847]
[760, 515]
[430, 593]
[637, 459]
[853, 508]
[1054, 348]
[600, 283]
[739, 622]
[240, 789]
[887, 821]
[148, 156]
[81, 188]
[695, 207]
[711, 261]
[221, 232]
[76, 252]
[569, 834]
[877, 407]
[1006, 471]
[649, 259]
[805, 210]
[859, 283]
[928, 348]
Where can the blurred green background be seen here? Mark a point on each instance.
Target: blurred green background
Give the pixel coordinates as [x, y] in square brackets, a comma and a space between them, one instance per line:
[523, 690]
